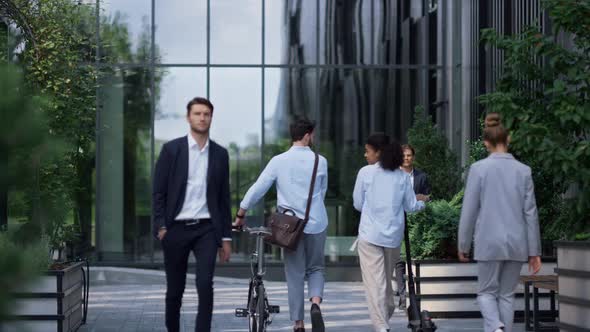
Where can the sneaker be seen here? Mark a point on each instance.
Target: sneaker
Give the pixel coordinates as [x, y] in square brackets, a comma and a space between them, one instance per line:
[317, 322]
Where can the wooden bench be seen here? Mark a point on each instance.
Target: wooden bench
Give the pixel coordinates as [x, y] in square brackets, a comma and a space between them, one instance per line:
[547, 282]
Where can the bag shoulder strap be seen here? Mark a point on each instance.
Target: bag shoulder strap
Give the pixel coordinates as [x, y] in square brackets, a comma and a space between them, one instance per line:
[313, 176]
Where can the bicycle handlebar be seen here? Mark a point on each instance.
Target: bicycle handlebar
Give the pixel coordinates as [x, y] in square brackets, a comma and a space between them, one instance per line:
[259, 231]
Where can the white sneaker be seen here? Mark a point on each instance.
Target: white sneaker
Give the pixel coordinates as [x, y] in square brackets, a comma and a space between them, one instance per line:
[499, 330]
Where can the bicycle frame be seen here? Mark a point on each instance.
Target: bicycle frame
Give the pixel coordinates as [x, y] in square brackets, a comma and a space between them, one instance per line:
[259, 257]
[258, 309]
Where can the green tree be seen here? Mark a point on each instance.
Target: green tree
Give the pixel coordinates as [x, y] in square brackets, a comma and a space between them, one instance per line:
[57, 58]
[434, 157]
[24, 140]
[544, 99]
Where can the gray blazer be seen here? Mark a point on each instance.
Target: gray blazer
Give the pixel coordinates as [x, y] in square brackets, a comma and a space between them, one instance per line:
[499, 206]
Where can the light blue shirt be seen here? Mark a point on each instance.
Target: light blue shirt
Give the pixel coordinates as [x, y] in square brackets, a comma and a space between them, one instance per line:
[382, 196]
[292, 172]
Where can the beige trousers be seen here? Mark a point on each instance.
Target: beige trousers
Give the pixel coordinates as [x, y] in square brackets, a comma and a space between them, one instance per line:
[377, 264]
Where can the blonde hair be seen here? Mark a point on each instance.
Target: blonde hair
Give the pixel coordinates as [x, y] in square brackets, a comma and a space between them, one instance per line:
[494, 132]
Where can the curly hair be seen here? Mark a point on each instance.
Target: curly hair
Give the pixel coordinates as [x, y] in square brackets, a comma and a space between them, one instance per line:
[377, 141]
[391, 156]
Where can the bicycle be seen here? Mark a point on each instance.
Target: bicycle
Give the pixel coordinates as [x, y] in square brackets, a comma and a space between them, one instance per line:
[258, 309]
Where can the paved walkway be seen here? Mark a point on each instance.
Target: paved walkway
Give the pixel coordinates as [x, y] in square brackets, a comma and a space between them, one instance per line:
[126, 304]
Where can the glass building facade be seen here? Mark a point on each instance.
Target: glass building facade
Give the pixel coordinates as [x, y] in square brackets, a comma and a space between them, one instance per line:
[352, 66]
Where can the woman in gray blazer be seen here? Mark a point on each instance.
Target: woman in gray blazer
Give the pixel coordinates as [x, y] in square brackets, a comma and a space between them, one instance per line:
[500, 213]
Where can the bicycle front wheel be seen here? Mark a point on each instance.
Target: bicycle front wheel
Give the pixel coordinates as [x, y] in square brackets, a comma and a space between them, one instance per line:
[262, 314]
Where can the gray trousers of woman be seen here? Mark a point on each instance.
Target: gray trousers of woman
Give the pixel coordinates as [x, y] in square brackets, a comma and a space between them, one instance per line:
[497, 281]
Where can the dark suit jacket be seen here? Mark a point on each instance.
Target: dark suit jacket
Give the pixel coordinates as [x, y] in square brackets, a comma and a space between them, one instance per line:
[170, 180]
[421, 185]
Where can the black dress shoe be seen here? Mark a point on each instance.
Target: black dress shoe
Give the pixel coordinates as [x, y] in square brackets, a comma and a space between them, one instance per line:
[317, 322]
[299, 329]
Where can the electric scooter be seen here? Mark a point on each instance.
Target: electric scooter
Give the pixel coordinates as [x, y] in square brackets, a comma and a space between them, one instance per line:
[418, 321]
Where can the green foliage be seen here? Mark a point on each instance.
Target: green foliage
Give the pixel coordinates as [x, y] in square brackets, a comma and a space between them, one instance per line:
[57, 61]
[3, 42]
[433, 231]
[434, 157]
[19, 265]
[544, 99]
[23, 131]
[25, 145]
[477, 149]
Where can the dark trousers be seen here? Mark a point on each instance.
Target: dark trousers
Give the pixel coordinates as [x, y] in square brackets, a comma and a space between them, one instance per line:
[179, 241]
[400, 271]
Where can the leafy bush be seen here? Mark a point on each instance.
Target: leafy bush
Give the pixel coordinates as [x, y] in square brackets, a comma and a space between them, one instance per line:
[433, 231]
[544, 99]
[434, 157]
[477, 149]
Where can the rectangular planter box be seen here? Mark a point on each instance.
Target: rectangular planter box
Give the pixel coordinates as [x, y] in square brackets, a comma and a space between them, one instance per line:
[53, 303]
[573, 258]
[448, 288]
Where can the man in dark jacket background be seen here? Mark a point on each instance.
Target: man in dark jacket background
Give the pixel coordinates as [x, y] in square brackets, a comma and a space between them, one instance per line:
[421, 186]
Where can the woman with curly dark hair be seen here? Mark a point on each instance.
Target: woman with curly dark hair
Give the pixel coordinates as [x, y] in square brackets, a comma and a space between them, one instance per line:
[382, 193]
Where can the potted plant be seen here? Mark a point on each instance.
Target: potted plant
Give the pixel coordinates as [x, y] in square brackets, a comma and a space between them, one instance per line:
[53, 299]
[573, 277]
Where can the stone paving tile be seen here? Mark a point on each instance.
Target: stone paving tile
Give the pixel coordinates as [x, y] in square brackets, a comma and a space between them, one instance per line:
[126, 308]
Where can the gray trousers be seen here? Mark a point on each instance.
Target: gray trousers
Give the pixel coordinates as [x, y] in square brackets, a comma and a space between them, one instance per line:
[497, 281]
[305, 263]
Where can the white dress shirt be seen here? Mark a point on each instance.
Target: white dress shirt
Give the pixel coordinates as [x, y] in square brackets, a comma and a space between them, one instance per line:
[292, 172]
[382, 196]
[195, 199]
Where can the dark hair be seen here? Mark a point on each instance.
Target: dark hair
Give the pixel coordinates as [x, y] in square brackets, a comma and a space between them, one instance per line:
[299, 128]
[493, 131]
[409, 147]
[377, 141]
[198, 101]
[391, 156]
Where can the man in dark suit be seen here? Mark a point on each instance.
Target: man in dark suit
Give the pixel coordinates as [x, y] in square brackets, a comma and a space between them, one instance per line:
[191, 212]
[419, 178]
[421, 186]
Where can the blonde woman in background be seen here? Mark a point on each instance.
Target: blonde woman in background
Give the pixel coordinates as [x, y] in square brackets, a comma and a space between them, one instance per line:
[499, 208]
